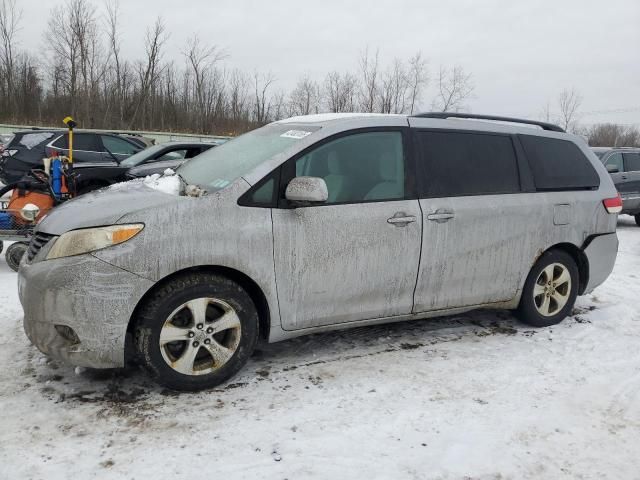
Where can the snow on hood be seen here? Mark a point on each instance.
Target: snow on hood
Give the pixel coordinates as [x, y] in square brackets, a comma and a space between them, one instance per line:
[168, 182]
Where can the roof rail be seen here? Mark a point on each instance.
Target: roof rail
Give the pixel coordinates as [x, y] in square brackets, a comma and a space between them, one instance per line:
[470, 116]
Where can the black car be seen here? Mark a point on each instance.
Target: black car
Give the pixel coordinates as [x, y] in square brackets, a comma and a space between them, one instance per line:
[27, 149]
[155, 159]
[623, 164]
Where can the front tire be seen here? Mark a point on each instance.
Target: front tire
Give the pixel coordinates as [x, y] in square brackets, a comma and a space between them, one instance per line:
[196, 331]
[550, 290]
[14, 254]
[637, 217]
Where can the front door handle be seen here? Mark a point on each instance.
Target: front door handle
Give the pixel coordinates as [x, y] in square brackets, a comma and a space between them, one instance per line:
[401, 219]
[440, 216]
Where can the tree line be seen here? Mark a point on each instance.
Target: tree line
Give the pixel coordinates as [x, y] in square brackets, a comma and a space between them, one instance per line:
[84, 72]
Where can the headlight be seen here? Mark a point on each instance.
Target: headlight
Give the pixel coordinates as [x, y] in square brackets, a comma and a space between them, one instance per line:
[87, 240]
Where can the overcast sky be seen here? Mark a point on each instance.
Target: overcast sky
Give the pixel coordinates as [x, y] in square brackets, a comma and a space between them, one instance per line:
[521, 53]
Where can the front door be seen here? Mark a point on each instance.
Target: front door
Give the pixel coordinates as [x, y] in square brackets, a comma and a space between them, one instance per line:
[355, 257]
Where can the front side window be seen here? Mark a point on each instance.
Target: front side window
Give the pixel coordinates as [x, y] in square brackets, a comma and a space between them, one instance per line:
[172, 155]
[458, 164]
[632, 162]
[117, 145]
[358, 168]
[615, 160]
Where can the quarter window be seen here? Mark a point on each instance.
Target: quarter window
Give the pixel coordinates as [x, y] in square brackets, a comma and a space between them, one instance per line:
[117, 145]
[558, 164]
[459, 163]
[358, 168]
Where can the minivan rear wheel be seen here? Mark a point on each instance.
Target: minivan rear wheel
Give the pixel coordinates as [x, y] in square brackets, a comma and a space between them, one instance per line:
[550, 290]
[196, 331]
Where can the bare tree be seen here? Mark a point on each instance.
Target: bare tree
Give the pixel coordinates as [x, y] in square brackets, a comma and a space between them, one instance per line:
[417, 79]
[369, 81]
[150, 69]
[305, 97]
[569, 102]
[455, 86]
[201, 61]
[340, 92]
[262, 104]
[10, 17]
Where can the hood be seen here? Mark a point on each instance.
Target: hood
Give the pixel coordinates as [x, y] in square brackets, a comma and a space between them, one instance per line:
[104, 207]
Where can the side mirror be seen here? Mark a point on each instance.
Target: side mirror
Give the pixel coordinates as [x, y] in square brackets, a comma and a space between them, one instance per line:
[612, 169]
[307, 190]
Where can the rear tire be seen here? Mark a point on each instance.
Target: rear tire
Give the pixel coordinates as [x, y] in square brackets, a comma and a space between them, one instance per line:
[14, 254]
[550, 290]
[196, 331]
[637, 217]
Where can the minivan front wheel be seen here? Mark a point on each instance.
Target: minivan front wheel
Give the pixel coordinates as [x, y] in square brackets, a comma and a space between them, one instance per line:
[550, 290]
[196, 331]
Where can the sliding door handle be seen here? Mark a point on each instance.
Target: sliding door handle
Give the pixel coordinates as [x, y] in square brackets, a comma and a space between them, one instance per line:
[440, 216]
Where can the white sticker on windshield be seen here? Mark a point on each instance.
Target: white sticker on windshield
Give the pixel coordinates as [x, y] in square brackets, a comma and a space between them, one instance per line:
[220, 183]
[295, 134]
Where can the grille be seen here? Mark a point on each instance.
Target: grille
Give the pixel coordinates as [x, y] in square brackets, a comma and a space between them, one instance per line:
[38, 241]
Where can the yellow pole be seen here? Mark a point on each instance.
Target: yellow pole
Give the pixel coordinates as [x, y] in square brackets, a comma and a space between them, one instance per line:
[69, 122]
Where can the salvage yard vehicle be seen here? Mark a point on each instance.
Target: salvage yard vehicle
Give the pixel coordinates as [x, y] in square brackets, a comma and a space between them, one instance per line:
[152, 160]
[623, 163]
[317, 223]
[27, 149]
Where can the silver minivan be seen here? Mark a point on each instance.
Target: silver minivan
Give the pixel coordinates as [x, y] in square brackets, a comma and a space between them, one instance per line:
[316, 223]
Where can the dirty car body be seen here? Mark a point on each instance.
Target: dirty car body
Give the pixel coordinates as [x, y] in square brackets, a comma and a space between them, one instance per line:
[392, 237]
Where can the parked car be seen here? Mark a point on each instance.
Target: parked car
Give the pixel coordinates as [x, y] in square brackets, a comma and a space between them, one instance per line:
[624, 166]
[27, 149]
[155, 159]
[316, 223]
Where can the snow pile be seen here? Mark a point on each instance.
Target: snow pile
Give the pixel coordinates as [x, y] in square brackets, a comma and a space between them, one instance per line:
[168, 182]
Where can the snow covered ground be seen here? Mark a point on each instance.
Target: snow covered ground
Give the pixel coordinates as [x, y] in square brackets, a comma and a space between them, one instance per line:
[477, 396]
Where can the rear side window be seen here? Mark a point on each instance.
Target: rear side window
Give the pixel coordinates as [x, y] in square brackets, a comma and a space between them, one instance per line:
[558, 164]
[458, 163]
[81, 141]
[632, 162]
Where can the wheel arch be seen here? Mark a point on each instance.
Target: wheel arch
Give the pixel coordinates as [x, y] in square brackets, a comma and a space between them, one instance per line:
[246, 282]
[581, 261]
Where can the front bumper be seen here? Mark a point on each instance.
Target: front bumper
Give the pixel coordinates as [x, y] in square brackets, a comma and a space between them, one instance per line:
[601, 253]
[90, 296]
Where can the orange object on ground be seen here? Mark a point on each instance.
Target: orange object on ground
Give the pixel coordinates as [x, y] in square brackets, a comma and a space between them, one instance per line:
[43, 201]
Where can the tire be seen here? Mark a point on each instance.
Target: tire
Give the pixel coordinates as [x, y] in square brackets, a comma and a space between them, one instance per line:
[14, 254]
[637, 217]
[538, 296]
[184, 354]
[1, 246]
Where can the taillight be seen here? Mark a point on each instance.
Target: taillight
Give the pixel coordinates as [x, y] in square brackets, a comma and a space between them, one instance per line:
[613, 205]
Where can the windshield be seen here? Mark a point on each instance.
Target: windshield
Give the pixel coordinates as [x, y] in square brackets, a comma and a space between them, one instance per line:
[141, 156]
[218, 167]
